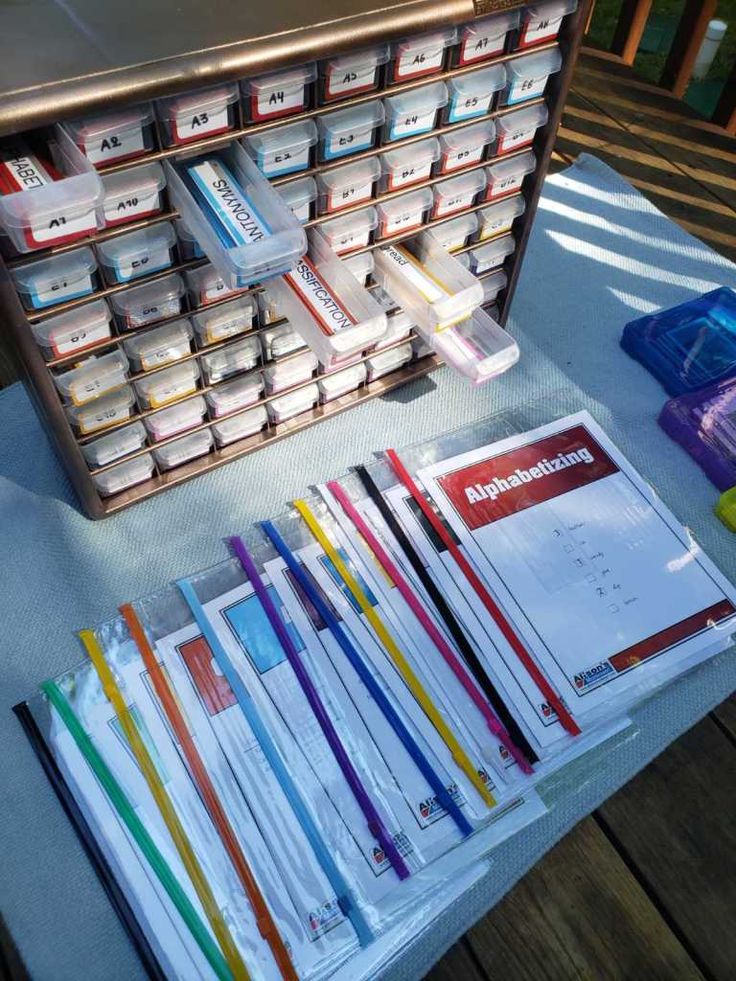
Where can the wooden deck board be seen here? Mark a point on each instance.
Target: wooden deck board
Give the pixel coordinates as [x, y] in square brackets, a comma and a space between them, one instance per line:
[579, 914]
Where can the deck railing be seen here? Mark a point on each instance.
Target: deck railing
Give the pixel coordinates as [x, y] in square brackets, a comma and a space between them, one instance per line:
[678, 68]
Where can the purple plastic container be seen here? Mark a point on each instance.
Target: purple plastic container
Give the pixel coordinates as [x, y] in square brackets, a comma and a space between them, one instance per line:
[704, 424]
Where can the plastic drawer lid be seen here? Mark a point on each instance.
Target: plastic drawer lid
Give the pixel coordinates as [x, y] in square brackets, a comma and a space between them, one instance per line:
[464, 184]
[288, 80]
[141, 298]
[42, 274]
[239, 353]
[385, 360]
[298, 193]
[104, 450]
[294, 401]
[361, 265]
[202, 278]
[493, 26]
[413, 155]
[469, 136]
[95, 377]
[478, 348]
[293, 136]
[183, 232]
[124, 475]
[504, 210]
[192, 103]
[521, 119]
[286, 341]
[109, 405]
[242, 308]
[551, 10]
[296, 368]
[155, 341]
[147, 178]
[434, 41]
[367, 115]
[244, 424]
[181, 450]
[241, 391]
[535, 65]
[361, 172]
[65, 326]
[352, 376]
[456, 228]
[406, 204]
[513, 167]
[494, 250]
[430, 96]
[118, 121]
[363, 220]
[128, 247]
[178, 374]
[76, 191]
[497, 281]
[177, 417]
[482, 80]
[366, 58]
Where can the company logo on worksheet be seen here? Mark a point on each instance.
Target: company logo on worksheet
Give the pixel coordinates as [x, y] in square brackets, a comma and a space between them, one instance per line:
[591, 677]
[501, 485]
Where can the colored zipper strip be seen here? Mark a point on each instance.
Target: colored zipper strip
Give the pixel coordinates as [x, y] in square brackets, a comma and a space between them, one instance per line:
[450, 620]
[405, 669]
[375, 823]
[264, 921]
[138, 831]
[444, 649]
[546, 689]
[165, 806]
[375, 688]
[249, 709]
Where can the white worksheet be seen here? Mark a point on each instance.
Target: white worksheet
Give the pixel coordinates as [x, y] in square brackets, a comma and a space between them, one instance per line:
[221, 730]
[428, 828]
[608, 591]
[355, 621]
[465, 717]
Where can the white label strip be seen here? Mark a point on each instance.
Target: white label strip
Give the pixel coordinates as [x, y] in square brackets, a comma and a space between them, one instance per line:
[463, 157]
[24, 172]
[123, 209]
[230, 205]
[272, 102]
[527, 88]
[540, 30]
[188, 126]
[409, 268]
[409, 175]
[80, 338]
[415, 62]
[284, 161]
[517, 138]
[474, 47]
[413, 122]
[316, 295]
[115, 146]
[339, 82]
[351, 194]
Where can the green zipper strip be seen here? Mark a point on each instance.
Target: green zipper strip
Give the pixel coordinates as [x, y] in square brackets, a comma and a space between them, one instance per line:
[134, 824]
